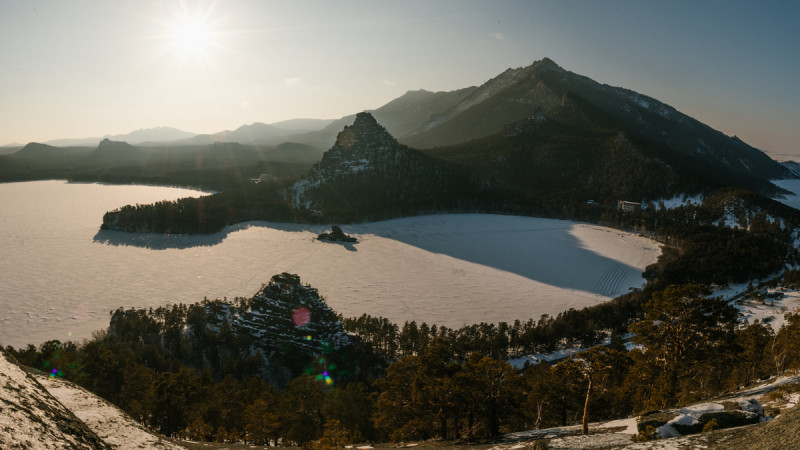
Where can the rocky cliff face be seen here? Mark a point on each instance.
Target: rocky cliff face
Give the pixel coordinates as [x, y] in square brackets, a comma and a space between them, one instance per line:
[362, 146]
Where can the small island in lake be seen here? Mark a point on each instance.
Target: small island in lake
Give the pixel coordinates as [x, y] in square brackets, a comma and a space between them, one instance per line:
[336, 235]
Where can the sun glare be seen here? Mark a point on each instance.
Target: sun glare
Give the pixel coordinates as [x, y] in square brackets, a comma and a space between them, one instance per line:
[192, 36]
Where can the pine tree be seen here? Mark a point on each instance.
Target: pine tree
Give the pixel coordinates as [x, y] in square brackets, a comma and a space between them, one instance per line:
[261, 421]
[599, 366]
[491, 388]
[683, 325]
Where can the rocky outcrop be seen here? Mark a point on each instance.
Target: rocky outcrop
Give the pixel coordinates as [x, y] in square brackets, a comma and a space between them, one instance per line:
[694, 419]
[364, 146]
[287, 317]
[336, 235]
[781, 433]
[367, 175]
[114, 152]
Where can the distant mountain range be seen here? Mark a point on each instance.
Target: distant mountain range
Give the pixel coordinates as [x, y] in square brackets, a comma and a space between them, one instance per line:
[159, 134]
[535, 139]
[253, 134]
[423, 119]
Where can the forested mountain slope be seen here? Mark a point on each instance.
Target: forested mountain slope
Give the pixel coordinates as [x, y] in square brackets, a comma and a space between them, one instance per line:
[522, 93]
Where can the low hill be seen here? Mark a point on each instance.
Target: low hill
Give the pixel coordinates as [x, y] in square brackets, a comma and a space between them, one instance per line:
[216, 166]
[43, 152]
[141, 136]
[302, 125]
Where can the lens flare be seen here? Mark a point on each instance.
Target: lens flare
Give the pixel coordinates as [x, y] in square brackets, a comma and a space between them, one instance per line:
[301, 317]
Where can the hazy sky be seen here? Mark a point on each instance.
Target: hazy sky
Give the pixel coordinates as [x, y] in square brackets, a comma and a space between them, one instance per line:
[73, 69]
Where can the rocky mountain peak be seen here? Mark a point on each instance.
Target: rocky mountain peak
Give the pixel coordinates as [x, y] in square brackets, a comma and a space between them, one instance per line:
[359, 146]
[107, 143]
[367, 164]
[364, 130]
[108, 149]
[546, 62]
[364, 146]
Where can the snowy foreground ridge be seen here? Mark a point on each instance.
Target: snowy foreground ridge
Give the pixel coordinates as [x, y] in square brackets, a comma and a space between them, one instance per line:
[39, 412]
[112, 425]
[32, 418]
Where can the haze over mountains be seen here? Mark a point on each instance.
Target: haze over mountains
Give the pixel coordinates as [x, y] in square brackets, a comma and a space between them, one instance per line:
[253, 134]
[537, 140]
[424, 119]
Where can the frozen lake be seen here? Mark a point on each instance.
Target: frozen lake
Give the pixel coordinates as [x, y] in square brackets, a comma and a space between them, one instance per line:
[793, 186]
[62, 276]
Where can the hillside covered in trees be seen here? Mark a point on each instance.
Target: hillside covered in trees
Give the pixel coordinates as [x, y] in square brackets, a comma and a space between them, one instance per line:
[218, 166]
[561, 164]
[278, 367]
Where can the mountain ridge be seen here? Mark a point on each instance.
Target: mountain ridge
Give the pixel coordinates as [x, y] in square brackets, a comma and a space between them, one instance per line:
[524, 92]
[424, 119]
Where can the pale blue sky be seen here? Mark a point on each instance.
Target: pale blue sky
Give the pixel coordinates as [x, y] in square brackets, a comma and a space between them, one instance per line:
[89, 68]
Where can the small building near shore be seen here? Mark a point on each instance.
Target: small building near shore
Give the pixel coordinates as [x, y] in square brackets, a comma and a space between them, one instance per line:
[626, 206]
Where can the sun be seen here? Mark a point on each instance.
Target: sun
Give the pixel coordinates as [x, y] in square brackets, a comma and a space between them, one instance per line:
[192, 36]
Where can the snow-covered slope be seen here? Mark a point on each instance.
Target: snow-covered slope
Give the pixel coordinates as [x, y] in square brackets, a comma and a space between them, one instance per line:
[31, 418]
[115, 427]
[48, 412]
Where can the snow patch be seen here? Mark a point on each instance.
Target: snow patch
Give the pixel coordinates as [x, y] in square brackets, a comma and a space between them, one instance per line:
[629, 424]
[793, 186]
[772, 309]
[679, 200]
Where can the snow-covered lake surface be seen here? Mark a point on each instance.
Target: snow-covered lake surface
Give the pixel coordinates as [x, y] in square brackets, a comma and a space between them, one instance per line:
[62, 276]
[792, 185]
